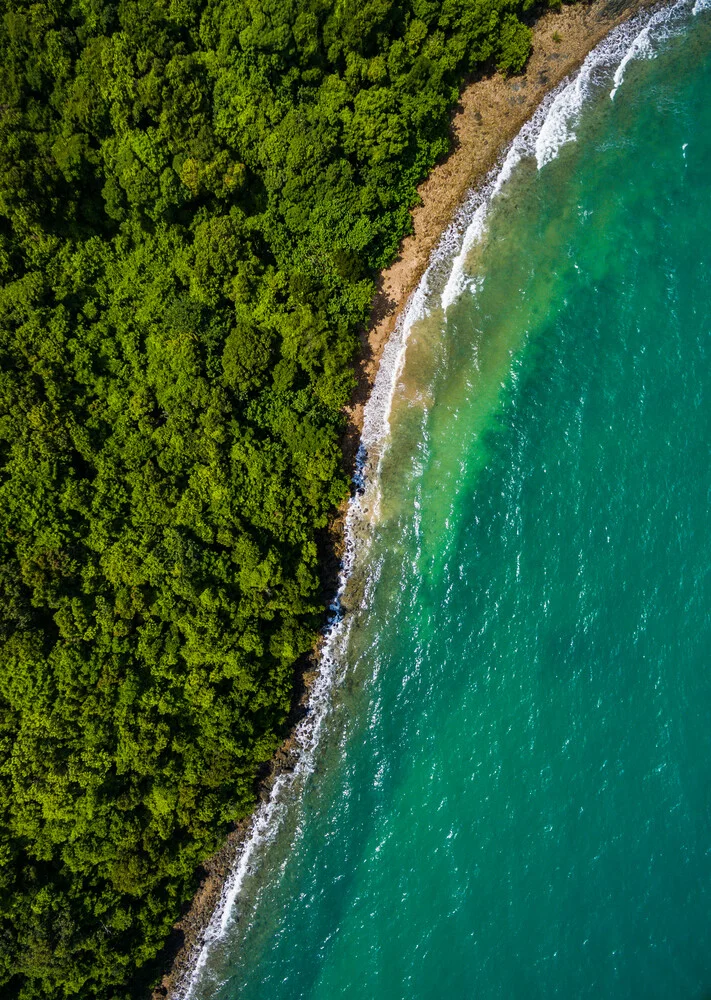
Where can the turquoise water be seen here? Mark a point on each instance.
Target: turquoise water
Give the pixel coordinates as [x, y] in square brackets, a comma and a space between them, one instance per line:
[511, 794]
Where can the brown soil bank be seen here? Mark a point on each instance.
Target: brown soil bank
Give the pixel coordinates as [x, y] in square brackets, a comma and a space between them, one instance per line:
[490, 113]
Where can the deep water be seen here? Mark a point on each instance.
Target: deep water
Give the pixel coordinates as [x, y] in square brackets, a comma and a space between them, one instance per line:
[512, 793]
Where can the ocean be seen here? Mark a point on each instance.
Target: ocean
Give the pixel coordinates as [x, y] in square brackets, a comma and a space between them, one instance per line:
[504, 787]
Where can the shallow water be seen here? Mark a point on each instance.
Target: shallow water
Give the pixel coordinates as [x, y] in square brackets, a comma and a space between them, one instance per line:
[510, 797]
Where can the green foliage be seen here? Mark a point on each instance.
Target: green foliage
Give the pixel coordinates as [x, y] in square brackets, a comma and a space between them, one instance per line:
[195, 196]
[514, 45]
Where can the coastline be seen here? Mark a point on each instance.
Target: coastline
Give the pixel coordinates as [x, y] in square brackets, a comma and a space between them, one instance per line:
[490, 113]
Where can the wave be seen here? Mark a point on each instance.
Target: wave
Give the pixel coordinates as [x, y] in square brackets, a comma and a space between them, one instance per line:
[660, 25]
[476, 207]
[551, 126]
[614, 50]
[641, 48]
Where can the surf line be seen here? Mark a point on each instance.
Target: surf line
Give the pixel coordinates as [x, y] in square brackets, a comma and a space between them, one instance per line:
[553, 123]
[551, 126]
[659, 27]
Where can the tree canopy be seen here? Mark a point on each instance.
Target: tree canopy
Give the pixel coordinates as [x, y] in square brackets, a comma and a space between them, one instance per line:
[195, 196]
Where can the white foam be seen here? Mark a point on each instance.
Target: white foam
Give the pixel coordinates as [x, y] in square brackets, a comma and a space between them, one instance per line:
[554, 123]
[641, 48]
[656, 29]
[551, 126]
[700, 5]
[478, 210]
[376, 417]
[613, 51]
[476, 207]
[457, 281]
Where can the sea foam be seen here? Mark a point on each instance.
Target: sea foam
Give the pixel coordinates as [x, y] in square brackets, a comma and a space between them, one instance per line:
[554, 122]
[476, 207]
[658, 28]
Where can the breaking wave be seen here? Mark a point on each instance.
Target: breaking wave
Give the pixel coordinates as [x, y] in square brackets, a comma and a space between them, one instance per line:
[660, 25]
[553, 124]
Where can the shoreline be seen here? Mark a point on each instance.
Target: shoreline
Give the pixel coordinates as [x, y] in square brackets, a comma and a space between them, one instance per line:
[490, 113]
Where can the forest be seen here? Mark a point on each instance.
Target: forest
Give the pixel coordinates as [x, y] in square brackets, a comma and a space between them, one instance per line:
[195, 199]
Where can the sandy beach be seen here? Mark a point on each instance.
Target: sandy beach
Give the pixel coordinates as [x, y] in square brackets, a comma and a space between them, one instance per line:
[490, 112]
